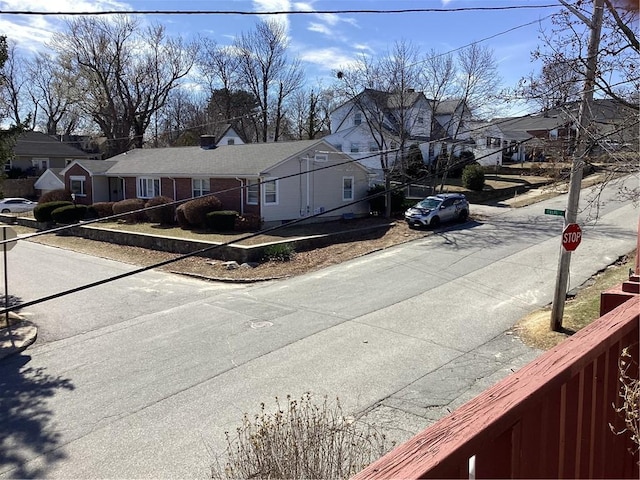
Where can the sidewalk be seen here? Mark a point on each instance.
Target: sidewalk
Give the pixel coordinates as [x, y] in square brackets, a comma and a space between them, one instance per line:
[17, 337]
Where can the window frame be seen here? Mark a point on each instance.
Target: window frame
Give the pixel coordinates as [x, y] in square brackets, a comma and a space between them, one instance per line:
[357, 118]
[78, 178]
[145, 180]
[202, 190]
[253, 192]
[350, 188]
[266, 191]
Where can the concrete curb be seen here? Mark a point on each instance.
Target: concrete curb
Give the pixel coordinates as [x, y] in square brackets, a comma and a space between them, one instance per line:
[17, 337]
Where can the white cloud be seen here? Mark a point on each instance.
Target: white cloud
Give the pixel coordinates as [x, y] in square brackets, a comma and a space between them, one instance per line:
[319, 28]
[274, 6]
[327, 58]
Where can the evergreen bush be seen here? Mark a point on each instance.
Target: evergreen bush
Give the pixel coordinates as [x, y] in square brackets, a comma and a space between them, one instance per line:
[42, 211]
[473, 177]
[195, 210]
[279, 252]
[221, 220]
[164, 215]
[377, 204]
[59, 195]
[69, 213]
[130, 205]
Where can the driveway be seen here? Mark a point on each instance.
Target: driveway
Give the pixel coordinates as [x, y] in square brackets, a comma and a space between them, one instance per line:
[155, 371]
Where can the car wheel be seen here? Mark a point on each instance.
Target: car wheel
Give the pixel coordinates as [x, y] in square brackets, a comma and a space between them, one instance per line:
[435, 222]
[463, 216]
[6, 210]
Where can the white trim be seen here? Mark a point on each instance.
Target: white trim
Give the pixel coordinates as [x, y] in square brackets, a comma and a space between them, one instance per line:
[253, 184]
[204, 182]
[145, 180]
[265, 184]
[78, 178]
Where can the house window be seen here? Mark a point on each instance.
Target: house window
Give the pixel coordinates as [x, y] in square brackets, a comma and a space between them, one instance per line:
[253, 189]
[355, 147]
[270, 192]
[77, 185]
[321, 157]
[230, 141]
[200, 187]
[357, 118]
[148, 187]
[420, 120]
[347, 188]
[373, 147]
[553, 134]
[40, 163]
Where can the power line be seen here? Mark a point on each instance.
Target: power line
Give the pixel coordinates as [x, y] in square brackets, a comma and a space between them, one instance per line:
[278, 12]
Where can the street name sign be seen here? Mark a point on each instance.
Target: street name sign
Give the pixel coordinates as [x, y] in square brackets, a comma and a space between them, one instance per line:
[8, 233]
[549, 211]
[571, 237]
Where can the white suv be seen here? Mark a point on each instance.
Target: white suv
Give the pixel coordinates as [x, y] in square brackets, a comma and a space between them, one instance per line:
[433, 210]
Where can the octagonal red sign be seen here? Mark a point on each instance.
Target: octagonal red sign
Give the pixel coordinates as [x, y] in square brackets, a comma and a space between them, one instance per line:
[571, 237]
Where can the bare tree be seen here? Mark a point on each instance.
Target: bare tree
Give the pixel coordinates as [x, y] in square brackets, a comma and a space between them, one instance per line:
[53, 89]
[7, 135]
[125, 75]
[309, 112]
[15, 93]
[618, 75]
[557, 84]
[267, 72]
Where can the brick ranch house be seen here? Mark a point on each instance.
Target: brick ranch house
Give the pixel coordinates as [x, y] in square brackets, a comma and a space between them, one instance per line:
[279, 181]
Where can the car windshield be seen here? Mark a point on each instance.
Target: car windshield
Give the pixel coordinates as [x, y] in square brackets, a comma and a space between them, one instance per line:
[428, 203]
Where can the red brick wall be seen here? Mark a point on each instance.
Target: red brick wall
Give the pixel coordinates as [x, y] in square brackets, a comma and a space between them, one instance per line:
[77, 170]
[228, 191]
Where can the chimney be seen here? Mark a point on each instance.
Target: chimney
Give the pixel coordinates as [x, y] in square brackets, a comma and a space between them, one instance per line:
[207, 142]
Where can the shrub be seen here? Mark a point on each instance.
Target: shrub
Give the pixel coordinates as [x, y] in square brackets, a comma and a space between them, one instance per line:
[164, 215]
[103, 209]
[69, 213]
[60, 195]
[130, 205]
[221, 220]
[473, 177]
[377, 204]
[195, 210]
[300, 440]
[42, 211]
[248, 223]
[181, 219]
[279, 252]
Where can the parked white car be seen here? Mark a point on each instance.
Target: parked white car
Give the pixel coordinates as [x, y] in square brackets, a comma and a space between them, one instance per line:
[16, 205]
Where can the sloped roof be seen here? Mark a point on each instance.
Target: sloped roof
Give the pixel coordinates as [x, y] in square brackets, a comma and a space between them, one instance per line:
[94, 167]
[37, 144]
[447, 107]
[225, 161]
[531, 123]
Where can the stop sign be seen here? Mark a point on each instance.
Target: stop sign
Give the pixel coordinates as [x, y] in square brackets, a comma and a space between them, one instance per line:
[571, 237]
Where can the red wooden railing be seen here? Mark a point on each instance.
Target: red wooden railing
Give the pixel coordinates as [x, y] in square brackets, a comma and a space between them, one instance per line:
[551, 419]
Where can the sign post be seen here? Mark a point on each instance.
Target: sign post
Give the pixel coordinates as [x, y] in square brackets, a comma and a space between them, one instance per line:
[8, 233]
[571, 237]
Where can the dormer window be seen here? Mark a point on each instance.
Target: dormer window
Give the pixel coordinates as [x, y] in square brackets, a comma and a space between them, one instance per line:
[357, 118]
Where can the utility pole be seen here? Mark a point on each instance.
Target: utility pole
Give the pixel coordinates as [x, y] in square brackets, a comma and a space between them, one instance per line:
[575, 180]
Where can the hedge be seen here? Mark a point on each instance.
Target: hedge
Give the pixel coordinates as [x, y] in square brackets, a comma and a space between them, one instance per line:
[130, 205]
[59, 195]
[195, 210]
[69, 213]
[42, 211]
[103, 209]
[221, 220]
[164, 215]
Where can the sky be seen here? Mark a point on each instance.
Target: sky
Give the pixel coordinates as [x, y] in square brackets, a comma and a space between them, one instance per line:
[323, 42]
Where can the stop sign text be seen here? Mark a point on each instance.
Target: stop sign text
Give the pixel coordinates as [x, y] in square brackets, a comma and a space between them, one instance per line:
[571, 237]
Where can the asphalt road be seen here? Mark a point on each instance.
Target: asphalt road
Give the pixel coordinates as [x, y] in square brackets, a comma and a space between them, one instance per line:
[141, 377]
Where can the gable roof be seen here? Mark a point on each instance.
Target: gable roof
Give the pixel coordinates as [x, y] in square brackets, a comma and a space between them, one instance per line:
[93, 167]
[37, 144]
[225, 161]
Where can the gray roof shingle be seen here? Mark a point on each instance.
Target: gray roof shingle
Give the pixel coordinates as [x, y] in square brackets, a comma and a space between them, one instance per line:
[224, 161]
[37, 144]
